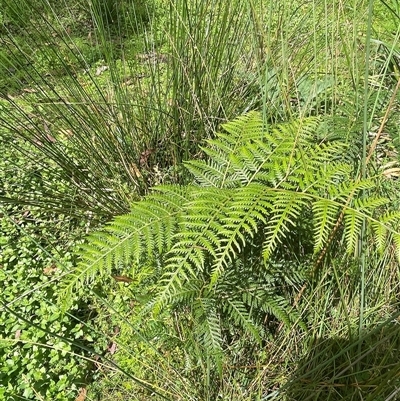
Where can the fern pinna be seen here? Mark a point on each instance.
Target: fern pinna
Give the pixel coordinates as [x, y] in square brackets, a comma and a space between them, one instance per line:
[212, 245]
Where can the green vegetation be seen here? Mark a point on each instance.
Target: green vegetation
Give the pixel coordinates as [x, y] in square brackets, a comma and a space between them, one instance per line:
[33, 242]
[199, 200]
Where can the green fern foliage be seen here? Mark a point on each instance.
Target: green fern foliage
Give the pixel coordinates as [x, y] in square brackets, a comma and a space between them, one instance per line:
[211, 245]
[131, 239]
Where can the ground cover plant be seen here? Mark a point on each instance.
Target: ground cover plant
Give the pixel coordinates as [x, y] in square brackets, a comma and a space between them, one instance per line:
[254, 257]
[33, 244]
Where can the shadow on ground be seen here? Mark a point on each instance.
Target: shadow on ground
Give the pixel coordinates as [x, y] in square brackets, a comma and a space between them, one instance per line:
[350, 369]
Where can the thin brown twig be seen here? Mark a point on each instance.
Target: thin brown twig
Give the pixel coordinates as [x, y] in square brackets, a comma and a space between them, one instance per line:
[384, 120]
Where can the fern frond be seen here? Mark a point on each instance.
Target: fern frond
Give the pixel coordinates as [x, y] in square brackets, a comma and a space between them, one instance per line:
[349, 189]
[396, 240]
[209, 328]
[243, 215]
[201, 236]
[388, 223]
[287, 208]
[237, 312]
[279, 307]
[325, 215]
[218, 171]
[261, 186]
[325, 178]
[353, 218]
[353, 223]
[151, 225]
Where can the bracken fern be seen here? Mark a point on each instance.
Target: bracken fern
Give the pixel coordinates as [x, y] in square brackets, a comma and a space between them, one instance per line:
[212, 243]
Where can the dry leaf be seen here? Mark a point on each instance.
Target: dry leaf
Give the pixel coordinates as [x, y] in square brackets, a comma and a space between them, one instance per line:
[29, 90]
[112, 348]
[67, 133]
[392, 172]
[49, 270]
[122, 279]
[82, 394]
[101, 69]
[134, 169]
[144, 157]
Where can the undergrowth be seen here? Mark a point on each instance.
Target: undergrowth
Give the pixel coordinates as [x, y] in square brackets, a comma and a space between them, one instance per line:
[254, 267]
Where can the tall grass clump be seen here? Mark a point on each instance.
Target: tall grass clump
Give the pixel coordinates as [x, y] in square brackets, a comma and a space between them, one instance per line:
[119, 97]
